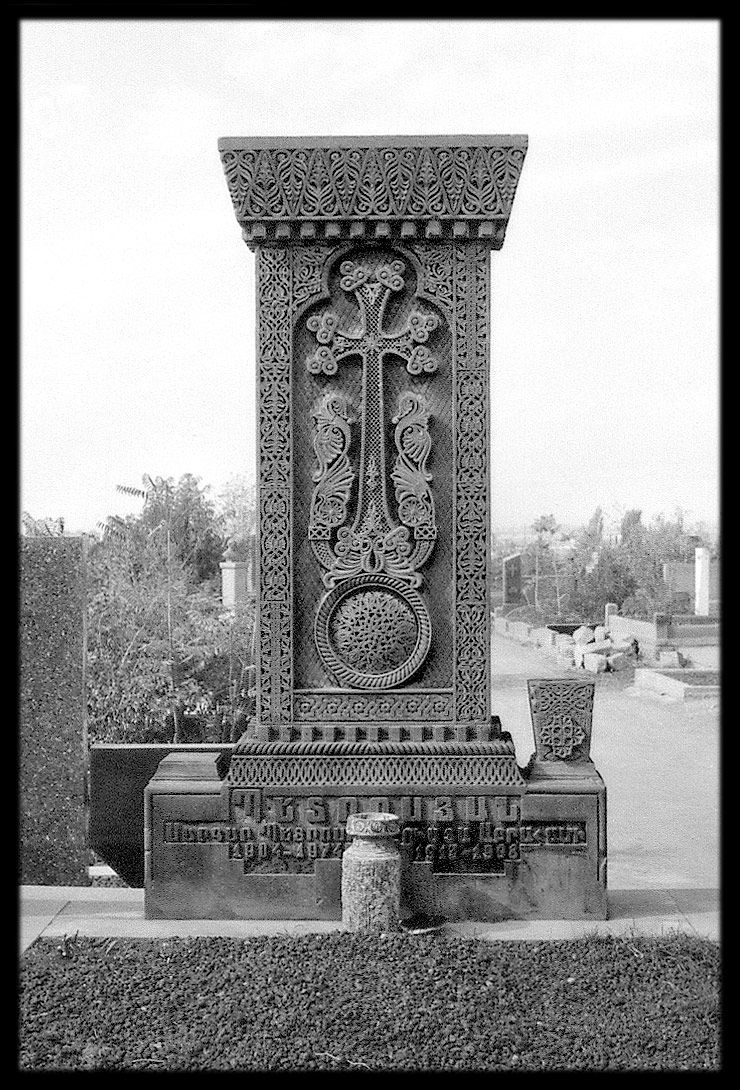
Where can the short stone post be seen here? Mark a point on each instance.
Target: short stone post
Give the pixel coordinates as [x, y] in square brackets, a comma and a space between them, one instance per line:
[371, 873]
[610, 610]
[701, 582]
[233, 583]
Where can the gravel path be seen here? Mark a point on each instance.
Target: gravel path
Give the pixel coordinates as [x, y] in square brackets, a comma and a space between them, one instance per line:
[358, 1002]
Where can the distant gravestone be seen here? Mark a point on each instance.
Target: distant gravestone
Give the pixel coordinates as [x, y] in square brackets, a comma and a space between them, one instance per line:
[680, 578]
[53, 744]
[701, 580]
[512, 566]
[234, 592]
[239, 577]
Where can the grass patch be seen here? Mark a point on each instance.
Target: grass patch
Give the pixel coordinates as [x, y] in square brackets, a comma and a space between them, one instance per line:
[358, 1002]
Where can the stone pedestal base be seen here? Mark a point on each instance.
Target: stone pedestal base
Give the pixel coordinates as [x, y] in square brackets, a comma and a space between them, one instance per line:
[480, 839]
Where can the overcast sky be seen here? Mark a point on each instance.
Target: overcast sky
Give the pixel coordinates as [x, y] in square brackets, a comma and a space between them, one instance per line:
[137, 292]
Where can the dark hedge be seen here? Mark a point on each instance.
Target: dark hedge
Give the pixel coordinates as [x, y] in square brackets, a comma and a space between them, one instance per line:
[52, 743]
[358, 1002]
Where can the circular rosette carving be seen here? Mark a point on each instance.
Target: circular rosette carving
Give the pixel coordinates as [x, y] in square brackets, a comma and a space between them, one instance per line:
[373, 631]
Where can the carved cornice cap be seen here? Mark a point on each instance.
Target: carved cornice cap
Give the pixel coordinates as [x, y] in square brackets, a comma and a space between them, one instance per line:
[333, 188]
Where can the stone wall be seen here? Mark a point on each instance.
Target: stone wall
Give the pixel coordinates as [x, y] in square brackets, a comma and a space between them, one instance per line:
[648, 635]
[53, 743]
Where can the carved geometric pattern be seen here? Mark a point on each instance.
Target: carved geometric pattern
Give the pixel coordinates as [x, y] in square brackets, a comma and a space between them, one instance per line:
[562, 717]
[308, 266]
[372, 182]
[334, 474]
[373, 631]
[562, 735]
[437, 279]
[472, 628]
[410, 475]
[414, 769]
[386, 707]
[498, 746]
[339, 732]
[274, 279]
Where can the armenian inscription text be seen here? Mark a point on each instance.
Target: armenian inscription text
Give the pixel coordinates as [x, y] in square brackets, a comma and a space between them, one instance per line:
[474, 833]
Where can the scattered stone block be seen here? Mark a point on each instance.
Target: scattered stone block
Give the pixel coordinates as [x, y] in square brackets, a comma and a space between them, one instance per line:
[582, 649]
[617, 661]
[600, 633]
[669, 658]
[584, 634]
[595, 664]
[519, 630]
[599, 648]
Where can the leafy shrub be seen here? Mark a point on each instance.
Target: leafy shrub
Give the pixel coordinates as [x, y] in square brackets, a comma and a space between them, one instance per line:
[165, 661]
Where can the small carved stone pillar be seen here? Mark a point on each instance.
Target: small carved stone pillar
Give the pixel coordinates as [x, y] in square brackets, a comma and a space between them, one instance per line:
[562, 718]
[371, 873]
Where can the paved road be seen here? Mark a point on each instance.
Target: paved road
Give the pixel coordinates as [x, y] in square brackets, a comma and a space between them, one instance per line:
[659, 758]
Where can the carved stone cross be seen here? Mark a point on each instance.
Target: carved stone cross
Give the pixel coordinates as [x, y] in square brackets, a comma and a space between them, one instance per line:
[375, 543]
[373, 617]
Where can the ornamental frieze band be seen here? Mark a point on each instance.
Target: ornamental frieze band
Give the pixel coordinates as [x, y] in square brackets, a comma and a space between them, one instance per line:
[424, 187]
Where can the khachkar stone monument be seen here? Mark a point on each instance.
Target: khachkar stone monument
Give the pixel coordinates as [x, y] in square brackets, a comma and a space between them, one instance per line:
[374, 677]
